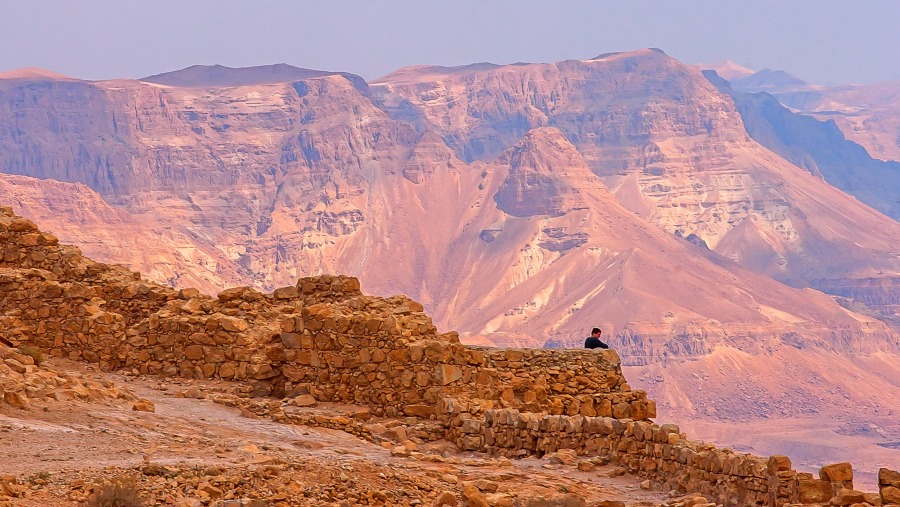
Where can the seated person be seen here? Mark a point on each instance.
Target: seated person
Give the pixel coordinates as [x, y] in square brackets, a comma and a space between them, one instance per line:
[593, 341]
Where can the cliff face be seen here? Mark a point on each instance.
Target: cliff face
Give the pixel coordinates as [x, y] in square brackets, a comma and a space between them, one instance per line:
[473, 189]
[520, 204]
[818, 146]
[866, 114]
[673, 149]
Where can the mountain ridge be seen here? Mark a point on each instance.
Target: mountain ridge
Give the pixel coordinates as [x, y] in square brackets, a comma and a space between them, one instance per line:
[521, 204]
[208, 76]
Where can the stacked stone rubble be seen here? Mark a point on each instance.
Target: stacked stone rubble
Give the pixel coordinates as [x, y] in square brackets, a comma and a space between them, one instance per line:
[23, 380]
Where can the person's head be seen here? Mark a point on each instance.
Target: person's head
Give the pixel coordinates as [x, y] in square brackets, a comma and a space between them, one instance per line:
[596, 332]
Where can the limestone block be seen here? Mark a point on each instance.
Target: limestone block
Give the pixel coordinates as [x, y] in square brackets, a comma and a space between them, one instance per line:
[447, 373]
[260, 371]
[193, 352]
[228, 370]
[837, 472]
[232, 294]
[887, 477]
[144, 405]
[814, 491]
[779, 464]
[291, 340]
[846, 497]
[621, 410]
[21, 225]
[193, 305]
[890, 495]
[303, 400]
[423, 411]
[233, 324]
[471, 442]
[289, 292]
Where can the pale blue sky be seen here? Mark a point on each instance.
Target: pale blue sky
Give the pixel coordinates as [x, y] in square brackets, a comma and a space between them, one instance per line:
[822, 41]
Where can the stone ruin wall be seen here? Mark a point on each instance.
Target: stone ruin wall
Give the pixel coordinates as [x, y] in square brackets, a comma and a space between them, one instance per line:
[323, 337]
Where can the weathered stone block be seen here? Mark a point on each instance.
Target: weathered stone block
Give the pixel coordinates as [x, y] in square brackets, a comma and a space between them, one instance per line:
[887, 477]
[193, 352]
[814, 491]
[290, 292]
[423, 411]
[838, 472]
[291, 340]
[260, 371]
[846, 497]
[779, 464]
[447, 373]
[890, 495]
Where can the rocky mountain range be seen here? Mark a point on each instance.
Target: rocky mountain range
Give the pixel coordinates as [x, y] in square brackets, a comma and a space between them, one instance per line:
[522, 204]
[259, 175]
[865, 113]
[818, 146]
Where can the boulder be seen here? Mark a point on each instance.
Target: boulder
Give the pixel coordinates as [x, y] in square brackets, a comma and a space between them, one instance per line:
[304, 400]
[890, 495]
[472, 497]
[887, 477]
[143, 405]
[838, 472]
[814, 491]
[846, 497]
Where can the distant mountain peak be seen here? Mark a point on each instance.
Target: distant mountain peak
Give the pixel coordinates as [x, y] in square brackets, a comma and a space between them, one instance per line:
[769, 80]
[625, 54]
[413, 72]
[547, 176]
[33, 73]
[729, 69]
[212, 76]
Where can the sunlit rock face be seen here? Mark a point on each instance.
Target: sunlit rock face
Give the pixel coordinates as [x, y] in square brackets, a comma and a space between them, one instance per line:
[522, 204]
[517, 202]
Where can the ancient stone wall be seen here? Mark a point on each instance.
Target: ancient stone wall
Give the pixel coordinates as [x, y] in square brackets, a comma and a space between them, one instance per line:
[321, 336]
[325, 338]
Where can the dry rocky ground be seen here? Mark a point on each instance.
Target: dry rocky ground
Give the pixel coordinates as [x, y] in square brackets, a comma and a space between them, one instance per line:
[211, 443]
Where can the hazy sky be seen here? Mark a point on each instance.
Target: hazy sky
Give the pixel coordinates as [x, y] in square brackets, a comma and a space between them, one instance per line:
[822, 41]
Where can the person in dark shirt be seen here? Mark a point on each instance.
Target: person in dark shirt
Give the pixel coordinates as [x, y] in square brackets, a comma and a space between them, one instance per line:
[593, 341]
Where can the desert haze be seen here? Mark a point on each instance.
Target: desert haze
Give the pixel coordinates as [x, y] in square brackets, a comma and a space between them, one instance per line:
[742, 272]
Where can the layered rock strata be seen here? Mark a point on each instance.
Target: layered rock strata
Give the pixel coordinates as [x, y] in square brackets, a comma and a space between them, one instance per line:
[257, 176]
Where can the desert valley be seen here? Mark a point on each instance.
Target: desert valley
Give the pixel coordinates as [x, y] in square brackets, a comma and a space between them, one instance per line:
[382, 280]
